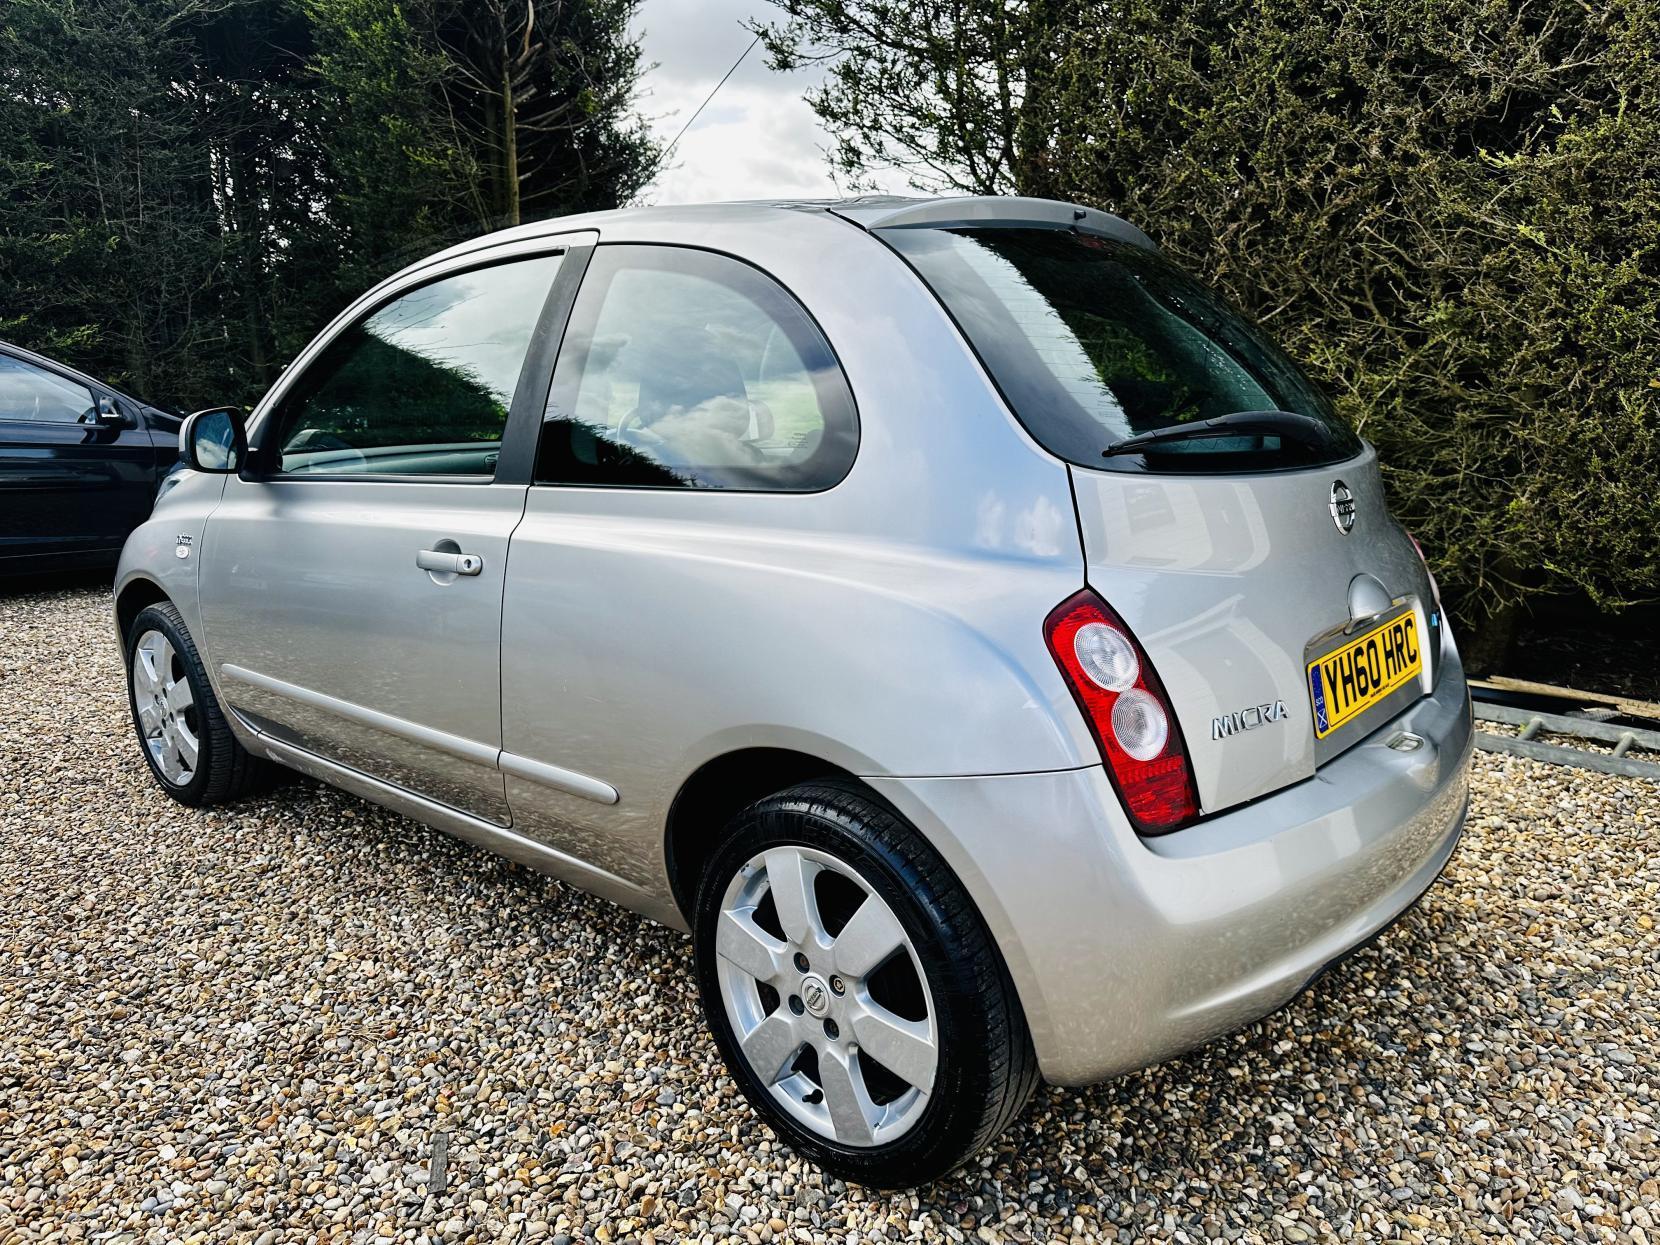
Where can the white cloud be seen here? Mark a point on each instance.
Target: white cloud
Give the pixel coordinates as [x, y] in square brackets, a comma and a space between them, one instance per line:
[757, 138]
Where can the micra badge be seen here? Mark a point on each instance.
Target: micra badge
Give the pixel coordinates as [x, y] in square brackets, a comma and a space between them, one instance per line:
[1247, 719]
[182, 549]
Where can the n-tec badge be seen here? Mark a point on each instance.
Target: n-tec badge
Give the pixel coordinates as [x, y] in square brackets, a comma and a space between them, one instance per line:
[1246, 719]
[182, 549]
[1342, 507]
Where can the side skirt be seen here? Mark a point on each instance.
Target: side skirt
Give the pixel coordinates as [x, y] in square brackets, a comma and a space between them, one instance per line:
[498, 839]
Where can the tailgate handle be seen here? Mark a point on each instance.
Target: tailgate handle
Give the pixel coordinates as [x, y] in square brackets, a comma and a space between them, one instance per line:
[442, 562]
[1369, 601]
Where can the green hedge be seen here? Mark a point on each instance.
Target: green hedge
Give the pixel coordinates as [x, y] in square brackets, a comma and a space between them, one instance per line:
[1450, 210]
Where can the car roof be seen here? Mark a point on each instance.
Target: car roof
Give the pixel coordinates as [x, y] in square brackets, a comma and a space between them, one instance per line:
[741, 227]
[868, 212]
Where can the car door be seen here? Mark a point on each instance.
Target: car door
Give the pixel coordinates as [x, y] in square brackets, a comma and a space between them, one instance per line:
[70, 486]
[696, 415]
[351, 585]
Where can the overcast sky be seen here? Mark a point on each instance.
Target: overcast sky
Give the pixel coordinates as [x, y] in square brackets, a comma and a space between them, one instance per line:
[757, 138]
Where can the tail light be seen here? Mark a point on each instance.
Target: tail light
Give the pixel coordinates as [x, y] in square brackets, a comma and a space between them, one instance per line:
[1128, 713]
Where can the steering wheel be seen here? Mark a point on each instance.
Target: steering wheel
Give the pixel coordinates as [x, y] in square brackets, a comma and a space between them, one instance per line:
[631, 431]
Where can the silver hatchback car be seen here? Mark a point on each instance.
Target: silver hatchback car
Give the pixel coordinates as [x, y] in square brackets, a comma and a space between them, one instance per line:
[983, 641]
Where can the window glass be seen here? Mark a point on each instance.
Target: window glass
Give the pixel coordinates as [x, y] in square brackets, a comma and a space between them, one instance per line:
[1093, 340]
[34, 395]
[686, 369]
[422, 386]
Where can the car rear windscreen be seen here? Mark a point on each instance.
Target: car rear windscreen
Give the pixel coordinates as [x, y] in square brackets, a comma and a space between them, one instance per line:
[1092, 341]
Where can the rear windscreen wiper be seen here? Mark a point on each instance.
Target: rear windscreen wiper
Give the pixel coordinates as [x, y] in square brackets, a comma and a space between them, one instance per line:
[1304, 429]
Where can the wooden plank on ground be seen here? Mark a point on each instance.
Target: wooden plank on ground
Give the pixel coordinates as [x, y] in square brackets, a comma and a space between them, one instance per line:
[1600, 700]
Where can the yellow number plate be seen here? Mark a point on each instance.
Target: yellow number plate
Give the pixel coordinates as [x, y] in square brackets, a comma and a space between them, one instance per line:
[1345, 683]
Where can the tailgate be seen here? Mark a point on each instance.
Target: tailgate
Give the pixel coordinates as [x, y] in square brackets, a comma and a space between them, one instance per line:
[1234, 584]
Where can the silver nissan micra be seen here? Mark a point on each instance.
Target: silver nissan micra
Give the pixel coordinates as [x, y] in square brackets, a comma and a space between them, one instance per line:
[981, 639]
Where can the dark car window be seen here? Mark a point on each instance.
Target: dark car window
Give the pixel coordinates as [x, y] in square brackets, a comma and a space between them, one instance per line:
[423, 385]
[1093, 340]
[687, 369]
[34, 395]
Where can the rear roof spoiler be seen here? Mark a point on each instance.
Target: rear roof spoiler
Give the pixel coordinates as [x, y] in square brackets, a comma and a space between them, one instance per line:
[989, 211]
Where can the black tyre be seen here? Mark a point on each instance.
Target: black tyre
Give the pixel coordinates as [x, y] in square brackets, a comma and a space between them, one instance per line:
[854, 991]
[180, 727]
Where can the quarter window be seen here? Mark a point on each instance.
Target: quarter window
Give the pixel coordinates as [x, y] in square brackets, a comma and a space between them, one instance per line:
[36, 396]
[423, 385]
[687, 369]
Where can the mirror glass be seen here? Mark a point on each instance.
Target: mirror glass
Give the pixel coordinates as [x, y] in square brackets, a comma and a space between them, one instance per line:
[213, 441]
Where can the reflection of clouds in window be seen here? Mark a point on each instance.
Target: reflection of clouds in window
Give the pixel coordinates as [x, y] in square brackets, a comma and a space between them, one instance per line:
[1050, 338]
[28, 393]
[458, 323]
[707, 372]
[692, 371]
[1090, 338]
[424, 384]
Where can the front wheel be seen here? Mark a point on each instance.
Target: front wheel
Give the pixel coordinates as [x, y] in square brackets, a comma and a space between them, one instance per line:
[854, 991]
[180, 726]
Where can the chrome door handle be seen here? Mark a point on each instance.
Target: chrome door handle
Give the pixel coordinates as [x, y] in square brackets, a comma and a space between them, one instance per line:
[443, 563]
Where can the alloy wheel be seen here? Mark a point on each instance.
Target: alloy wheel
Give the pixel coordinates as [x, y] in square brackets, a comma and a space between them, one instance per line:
[826, 996]
[166, 708]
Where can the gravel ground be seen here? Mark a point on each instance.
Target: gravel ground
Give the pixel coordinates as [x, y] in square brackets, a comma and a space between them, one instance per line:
[305, 1019]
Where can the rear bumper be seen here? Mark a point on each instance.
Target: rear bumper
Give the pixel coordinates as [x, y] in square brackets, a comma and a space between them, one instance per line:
[1128, 951]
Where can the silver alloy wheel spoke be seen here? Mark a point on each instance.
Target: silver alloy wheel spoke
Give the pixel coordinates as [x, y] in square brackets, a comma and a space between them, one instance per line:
[740, 941]
[171, 763]
[771, 1046]
[791, 881]
[153, 661]
[179, 695]
[902, 1046]
[800, 1001]
[145, 681]
[852, 1110]
[188, 748]
[870, 937]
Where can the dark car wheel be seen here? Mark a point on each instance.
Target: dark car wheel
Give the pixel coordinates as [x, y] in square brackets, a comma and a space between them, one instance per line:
[181, 728]
[854, 991]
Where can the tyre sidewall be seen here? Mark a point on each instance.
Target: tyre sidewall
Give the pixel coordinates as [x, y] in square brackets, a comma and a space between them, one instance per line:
[953, 1120]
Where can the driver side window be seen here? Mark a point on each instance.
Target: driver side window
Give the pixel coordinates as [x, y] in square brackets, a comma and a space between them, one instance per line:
[423, 385]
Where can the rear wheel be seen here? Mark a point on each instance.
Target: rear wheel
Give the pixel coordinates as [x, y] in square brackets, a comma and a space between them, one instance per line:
[180, 726]
[854, 990]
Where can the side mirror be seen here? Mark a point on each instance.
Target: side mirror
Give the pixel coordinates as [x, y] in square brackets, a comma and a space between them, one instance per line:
[108, 415]
[214, 440]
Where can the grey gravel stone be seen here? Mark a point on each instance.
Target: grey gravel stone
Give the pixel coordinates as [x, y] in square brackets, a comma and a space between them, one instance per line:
[251, 1024]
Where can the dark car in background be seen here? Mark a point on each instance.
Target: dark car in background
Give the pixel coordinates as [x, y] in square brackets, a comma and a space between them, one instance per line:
[80, 464]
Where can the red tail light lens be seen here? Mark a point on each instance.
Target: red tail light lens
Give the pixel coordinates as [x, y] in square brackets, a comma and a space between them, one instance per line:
[1127, 710]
